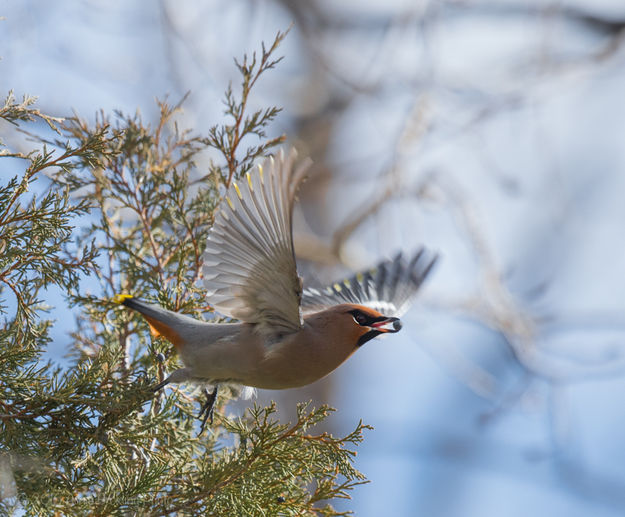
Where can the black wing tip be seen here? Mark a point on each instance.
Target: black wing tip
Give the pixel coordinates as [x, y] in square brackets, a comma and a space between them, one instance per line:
[421, 264]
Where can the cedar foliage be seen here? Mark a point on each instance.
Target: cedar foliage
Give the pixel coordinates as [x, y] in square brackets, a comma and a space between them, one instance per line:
[125, 208]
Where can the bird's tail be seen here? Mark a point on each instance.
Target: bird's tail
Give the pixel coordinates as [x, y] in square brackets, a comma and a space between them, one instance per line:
[162, 322]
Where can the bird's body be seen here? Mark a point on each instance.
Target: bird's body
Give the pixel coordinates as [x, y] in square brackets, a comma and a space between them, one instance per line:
[237, 353]
[244, 357]
[287, 336]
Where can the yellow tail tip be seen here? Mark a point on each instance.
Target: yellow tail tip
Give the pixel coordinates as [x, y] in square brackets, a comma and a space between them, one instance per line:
[120, 298]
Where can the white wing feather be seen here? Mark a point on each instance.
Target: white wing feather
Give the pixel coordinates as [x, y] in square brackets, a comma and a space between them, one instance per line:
[249, 264]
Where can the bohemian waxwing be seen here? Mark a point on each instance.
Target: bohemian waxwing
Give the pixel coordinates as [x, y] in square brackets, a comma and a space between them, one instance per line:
[287, 336]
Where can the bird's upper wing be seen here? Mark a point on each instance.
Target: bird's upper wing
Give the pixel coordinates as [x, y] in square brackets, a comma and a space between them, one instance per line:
[249, 263]
[388, 288]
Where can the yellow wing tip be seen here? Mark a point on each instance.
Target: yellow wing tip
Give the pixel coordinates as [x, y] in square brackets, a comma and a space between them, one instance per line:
[120, 298]
[236, 187]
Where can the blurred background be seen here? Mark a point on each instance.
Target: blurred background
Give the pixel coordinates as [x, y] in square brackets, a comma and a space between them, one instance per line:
[492, 132]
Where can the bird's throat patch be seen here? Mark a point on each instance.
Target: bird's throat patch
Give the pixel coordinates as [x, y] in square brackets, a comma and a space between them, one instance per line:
[368, 336]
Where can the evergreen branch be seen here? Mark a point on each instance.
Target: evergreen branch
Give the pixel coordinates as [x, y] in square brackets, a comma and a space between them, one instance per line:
[227, 138]
[93, 439]
[14, 111]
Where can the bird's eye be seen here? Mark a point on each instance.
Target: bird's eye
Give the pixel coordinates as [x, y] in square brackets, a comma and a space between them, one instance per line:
[360, 318]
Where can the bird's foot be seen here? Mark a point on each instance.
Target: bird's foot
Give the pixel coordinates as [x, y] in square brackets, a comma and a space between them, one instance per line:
[160, 385]
[208, 409]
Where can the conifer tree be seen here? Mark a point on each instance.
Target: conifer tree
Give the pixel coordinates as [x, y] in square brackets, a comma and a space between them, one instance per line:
[125, 208]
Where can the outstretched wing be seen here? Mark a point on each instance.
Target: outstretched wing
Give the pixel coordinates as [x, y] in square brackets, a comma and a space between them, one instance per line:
[249, 264]
[388, 288]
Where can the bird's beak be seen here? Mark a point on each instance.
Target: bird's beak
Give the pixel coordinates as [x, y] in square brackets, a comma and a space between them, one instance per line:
[387, 325]
[383, 325]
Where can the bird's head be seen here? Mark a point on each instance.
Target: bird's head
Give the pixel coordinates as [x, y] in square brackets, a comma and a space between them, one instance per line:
[364, 323]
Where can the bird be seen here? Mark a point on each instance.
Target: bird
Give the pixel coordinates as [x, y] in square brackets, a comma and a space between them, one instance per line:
[286, 335]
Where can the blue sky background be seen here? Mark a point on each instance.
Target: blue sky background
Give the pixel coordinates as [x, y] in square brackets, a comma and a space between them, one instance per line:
[496, 130]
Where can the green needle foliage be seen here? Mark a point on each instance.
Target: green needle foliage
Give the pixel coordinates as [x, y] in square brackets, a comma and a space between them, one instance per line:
[124, 206]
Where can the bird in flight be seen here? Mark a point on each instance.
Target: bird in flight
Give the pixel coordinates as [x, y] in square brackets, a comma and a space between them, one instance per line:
[287, 336]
